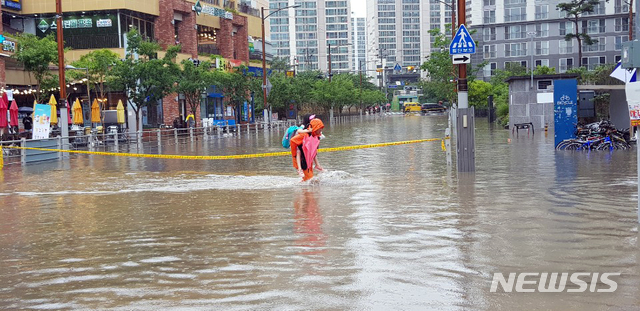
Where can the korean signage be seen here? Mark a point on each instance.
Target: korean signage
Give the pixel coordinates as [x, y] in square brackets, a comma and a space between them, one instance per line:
[565, 98]
[633, 100]
[8, 46]
[213, 11]
[41, 121]
[12, 4]
[78, 25]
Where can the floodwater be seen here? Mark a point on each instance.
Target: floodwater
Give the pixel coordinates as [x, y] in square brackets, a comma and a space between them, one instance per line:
[384, 228]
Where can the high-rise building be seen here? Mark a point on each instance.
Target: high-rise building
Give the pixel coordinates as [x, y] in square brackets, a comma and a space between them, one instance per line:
[304, 34]
[398, 33]
[510, 31]
[359, 41]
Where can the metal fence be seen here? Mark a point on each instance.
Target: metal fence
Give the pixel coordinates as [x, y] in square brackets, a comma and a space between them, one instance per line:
[147, 141]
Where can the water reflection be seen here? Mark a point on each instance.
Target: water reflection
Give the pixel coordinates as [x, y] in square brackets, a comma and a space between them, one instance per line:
[384, 228]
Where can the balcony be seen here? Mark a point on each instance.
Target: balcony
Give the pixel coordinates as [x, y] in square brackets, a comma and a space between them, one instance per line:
[247, 9]
[209, 48]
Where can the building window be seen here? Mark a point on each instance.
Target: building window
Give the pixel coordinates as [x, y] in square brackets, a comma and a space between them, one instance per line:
[489, 2]
[593, 61]
[599, 45]
[619, 41]
[489, 51]
[515, 14]
[566, 28]
[542, 30]
[618, 58]
[489, 34]
[595, 26]
[515, 32]
[489, 17]
[515, 49]
[542, 63]
[490, 69]
[565, 64]
[621, 6]
[598, 9]
[565, 47]
[542, 11]
[622, 24]
[542, 48]
[544, 84]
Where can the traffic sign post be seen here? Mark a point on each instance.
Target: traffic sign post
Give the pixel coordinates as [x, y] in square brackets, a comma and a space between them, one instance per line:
[461, 48]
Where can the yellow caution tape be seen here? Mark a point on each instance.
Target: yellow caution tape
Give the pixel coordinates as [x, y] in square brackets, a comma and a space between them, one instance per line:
[226, 157]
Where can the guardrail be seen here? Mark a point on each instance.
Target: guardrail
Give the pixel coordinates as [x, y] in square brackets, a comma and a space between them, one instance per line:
[143, 141]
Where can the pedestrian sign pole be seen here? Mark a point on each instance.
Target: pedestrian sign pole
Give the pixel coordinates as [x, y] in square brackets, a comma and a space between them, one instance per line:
[461, 48]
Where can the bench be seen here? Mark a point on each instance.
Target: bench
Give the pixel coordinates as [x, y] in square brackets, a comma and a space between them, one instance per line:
[521, 126]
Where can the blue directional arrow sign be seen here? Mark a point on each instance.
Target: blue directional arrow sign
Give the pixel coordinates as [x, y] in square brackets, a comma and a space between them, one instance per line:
[462, 43]
[397, 67]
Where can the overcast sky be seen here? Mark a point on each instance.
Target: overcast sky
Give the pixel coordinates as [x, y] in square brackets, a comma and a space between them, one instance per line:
[359, 8]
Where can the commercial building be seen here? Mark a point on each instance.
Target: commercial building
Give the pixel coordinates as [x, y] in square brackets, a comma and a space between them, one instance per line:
[213, 27]
[304, 34]
[512, 31]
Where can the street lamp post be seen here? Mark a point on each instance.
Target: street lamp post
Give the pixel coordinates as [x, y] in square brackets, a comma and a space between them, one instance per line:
[266, 107]
[531, 34]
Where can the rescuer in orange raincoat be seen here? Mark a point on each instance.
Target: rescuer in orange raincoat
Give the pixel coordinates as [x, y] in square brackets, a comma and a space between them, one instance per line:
[304, 147]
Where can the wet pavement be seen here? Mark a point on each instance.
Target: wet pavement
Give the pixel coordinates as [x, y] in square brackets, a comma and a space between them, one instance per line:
[383, 228]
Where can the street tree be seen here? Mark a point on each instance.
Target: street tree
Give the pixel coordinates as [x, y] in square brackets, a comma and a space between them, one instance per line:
[193, 81]
[98, 64]
[236, 85]
[36, 55]
[144, 77]
[574, 10]
[280, 64]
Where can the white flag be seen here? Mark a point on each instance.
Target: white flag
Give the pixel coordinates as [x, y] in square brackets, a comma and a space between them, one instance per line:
[624, 75]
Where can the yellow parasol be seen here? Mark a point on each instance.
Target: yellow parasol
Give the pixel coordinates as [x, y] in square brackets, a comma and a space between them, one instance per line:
[95, 112]
[34, 108]
[54, 110]
[77, 113]
[120, 114]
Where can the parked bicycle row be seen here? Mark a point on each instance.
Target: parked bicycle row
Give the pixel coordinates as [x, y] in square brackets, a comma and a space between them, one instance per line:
[601, 135]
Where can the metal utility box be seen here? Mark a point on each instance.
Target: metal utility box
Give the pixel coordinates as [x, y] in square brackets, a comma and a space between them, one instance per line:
[586, 104]
[631, 54]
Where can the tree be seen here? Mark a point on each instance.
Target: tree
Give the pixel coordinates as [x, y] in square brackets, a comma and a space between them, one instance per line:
[36, 55]
[574, 10]
[97, 64]
[478, 93]
[235, 85]
[143, 77]
[193, 81]
[280, 64]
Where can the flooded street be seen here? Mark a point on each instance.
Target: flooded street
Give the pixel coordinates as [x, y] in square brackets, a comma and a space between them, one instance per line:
[382, 228]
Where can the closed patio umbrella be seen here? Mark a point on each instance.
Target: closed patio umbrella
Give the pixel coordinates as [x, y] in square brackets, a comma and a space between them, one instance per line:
[54, 110]
[68, 113]
[120, 114]
[95, 112]
[3, 113]
[77, 113]
[13, 114]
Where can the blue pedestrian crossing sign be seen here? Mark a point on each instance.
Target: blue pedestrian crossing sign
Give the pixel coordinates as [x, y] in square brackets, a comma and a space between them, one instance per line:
[462, 42]
[397, 67]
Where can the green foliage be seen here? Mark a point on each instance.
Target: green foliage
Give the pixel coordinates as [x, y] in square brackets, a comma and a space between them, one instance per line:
[478, 93]
[193, 81]
[280, 64]
[544, 70]
[574, 10]
[599, 76]
[98, 64]
[141, 75]
[36, 55]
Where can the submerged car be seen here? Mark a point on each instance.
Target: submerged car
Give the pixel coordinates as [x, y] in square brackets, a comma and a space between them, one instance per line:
[433, 109]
